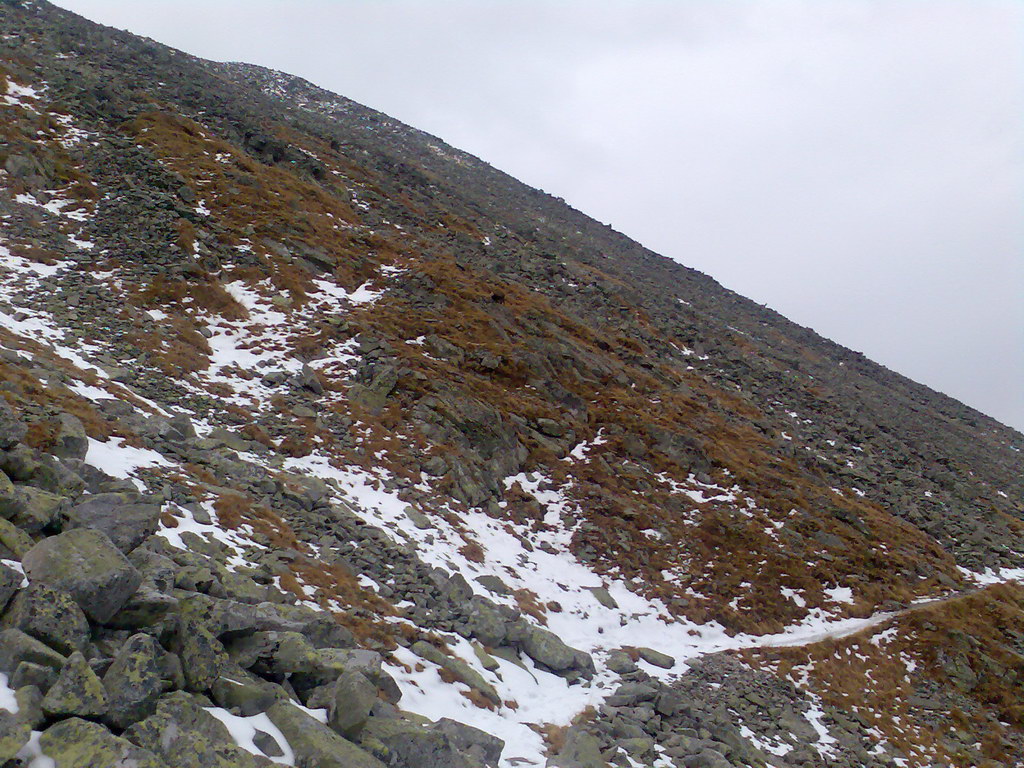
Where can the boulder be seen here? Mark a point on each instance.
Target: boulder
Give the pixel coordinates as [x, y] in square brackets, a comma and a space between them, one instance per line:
[77, 692]
[348, 700]
[14, 540]
[314, 744]
[457, 668]
[38, 509]
[49, 615]
[12, 430]
[10, 498]
[657, 658]
[405, 744]
[238, 690]
[203, 658]
[124, 517]
[185, 735]
[546, 648]
[85, 564]
[475, 743]
[77, 743]
[71, 441]
[16, 647]
[133, 681]
[14, 733]
[10, 582]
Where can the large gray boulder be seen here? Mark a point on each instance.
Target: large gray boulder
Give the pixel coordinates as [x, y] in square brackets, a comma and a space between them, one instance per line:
[546, 648]
[348, 701]
[124, 517]
[71, 441]
[50, 615]
[12, 430]
[85, 564]
[405, 744]
[77, 743]
[315, 744]
[133, 681]
[14, 733]
[17, 647]
[185, 735]
[77, 692]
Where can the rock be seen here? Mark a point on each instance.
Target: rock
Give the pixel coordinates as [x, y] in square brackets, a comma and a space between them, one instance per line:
[16, 647]
[307, 379]
[457, 668]
[28, 673]
[620, 663]
[185, 735]
[71, 441]
[14, 540]
[404, 744]
[706, 758]
[318, 627]
[38, 509]
[49, 615]
[486, 624]
[77, 743]
[478, 744]
[203, 658]
[12, 430]
[10, 582]
[125, 519]
[245, 693]
[581, 750]
[603, 597]
[267, 744]
[546, 648]
[10, 499]
[133, 681]
[146, 607]
[314, 743]
[656, 658]
[86, 564]
[351, 698]
[493, 584]
[77, 692]
[30, 706]
[14, 733]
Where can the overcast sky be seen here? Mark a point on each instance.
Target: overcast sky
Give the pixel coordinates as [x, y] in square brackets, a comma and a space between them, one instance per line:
[857, 165]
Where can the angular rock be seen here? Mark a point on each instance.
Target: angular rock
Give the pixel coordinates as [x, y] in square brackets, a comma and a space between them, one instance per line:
[203, 658]
[14, 540]
[16, 647]
[133, 681]
[472, 741]
[38, 509]
[239, 690]
[71, 441]
[14, 733]
[546, 648]
[49, 615]
[457, 668]
[77, 692]
[315, 744]
[87, 565]
[350, 699]
[28, 673]
[10, 582]
[404, 744]
[185, 735]
[657, 658]
[126, 519]
[12, 430]
[77, 743]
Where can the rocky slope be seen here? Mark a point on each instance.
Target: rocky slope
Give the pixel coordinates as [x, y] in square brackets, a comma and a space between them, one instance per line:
[324, 443]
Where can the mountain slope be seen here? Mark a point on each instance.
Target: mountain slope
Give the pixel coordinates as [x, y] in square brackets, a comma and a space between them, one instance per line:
[297, 360]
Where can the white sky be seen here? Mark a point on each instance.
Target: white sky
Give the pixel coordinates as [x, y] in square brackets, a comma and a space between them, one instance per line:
[856, 165]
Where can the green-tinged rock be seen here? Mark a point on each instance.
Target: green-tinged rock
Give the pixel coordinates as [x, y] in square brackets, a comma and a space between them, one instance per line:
[238, 690]
[16, 647]
[14, 540]
[10, 582]
[124, 517]
[31, 674]
[405, 744]
[486, 624]
[87, 565]
[133, 681]
[77, 692]
[657, 658]
[30, 706]
[242, 588]
[348, 700]
[76, 743]
[185, 735]
[318, 627]
[14, 733]
[581, 750]
[49, 615]
[546, 648]
[145, 608]
[71, 441]
[12, 429]
[222, 618]
[457, 668]
[10, 498]
[38, 509]
[315, 744]
[487, 661]
[203, 658]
